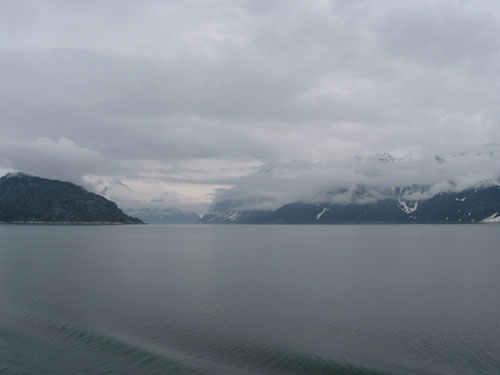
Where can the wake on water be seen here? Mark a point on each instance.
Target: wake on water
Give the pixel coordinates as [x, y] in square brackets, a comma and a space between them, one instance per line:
[89, 351]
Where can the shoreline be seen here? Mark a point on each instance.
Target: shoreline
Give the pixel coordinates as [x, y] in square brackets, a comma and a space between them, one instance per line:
[67, 223]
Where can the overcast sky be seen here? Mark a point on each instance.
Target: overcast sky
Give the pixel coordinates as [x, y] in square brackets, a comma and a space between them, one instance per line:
[285, 99]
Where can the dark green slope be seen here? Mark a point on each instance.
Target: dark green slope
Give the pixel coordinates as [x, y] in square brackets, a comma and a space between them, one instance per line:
[26, 199]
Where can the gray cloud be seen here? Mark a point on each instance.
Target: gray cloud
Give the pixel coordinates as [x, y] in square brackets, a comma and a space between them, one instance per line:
[150, 93]
[340, 181]
[62, 159]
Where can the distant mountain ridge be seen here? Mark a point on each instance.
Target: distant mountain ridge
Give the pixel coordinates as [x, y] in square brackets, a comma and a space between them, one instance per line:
[31, 199]
[164, 215]
[155, 211]
[467, 206]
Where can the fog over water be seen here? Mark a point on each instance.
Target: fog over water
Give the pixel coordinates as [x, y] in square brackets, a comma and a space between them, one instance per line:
[282, 99]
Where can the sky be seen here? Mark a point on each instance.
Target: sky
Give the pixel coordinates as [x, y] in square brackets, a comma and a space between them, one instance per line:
[268, 101]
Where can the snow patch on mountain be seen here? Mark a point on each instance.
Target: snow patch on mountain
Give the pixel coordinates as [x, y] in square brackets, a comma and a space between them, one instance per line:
[408, 208]
[231, 215]
[386, 157]
[492, 219]
[318, 216]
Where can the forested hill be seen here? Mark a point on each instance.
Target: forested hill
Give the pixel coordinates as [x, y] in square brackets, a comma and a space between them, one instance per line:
[30, 199]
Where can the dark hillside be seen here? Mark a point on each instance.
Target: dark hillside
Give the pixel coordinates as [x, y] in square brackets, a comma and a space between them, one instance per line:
[25, 199]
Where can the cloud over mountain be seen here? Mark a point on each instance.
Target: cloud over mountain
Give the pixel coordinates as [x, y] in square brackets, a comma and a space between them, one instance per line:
[186, 98]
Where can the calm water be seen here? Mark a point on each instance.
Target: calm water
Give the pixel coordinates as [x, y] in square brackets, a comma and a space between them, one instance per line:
[376, 299]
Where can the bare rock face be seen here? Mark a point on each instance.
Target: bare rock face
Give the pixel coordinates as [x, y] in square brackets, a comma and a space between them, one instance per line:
[30, 199]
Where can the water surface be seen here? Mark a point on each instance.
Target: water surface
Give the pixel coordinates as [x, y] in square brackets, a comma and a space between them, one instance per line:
[235, 299]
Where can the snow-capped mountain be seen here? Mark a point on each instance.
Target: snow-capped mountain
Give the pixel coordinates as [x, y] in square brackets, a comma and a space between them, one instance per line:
[115, 187]
[481, 204]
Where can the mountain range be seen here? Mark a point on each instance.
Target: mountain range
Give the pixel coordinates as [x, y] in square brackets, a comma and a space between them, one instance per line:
[481, 204]
[30, 199]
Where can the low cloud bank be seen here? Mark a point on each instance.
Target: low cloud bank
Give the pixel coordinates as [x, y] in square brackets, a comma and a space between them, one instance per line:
[62, 159]
[360, 180]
